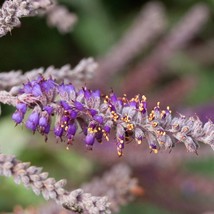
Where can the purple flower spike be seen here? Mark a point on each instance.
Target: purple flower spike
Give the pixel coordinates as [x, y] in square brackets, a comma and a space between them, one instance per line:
[18, 116]
[21, 107]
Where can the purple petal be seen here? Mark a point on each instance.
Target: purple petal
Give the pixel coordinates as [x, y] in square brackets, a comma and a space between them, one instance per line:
[65, 105]
[31, 125]
[47, 129]
[58, 131]
[48, 85]
[49, 109]
[27, 88]
[93, 112]
[79, 106]
[89, 139]
[34, 117]
[113, 97]
[96, 94]
[99, 119]
[18, 117]
[87, 94]
[71, 130]
[36, 90]
[21, 107]
[43, 121]
[107, 129]
[73, 114]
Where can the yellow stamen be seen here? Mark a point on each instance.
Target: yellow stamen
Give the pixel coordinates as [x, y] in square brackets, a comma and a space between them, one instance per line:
[120, 146]
[119, 153]
[168, 108]
[186, 129]
[155, 151]
[130, 127]
[139, 142]
[144, 98]
[154, 124]
[121, 141]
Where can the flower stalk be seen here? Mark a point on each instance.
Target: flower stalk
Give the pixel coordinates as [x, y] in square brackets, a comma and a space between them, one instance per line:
[98, 115]
[32, 177]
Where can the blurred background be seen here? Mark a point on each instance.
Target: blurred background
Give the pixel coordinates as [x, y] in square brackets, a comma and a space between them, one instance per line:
[163, 49]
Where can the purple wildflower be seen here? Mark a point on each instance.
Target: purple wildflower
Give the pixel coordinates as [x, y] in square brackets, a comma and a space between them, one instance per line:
[78, 105]
[98, 115]
[58, 131]
[48, 109]
[33, 121]
[17, 117]
[99, 119]
[36, 90]
[89, 139]
[22, 107]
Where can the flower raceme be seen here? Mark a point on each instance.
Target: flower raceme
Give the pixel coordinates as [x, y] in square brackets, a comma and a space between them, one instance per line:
[98, 115]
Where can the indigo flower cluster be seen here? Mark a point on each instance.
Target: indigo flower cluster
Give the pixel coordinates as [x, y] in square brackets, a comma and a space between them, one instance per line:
[98, 115]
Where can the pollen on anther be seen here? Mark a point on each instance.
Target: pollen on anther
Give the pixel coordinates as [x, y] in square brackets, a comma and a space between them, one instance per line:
[130, 126]
[144, 98]
[139, 142]
[119, 153]
[168, 108]
[154, 124]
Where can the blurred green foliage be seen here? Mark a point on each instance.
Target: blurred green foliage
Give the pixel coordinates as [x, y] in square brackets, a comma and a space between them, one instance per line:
[203, 167]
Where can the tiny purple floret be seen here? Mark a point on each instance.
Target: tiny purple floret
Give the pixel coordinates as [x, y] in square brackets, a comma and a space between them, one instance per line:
[17, 117]
[21, 107]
